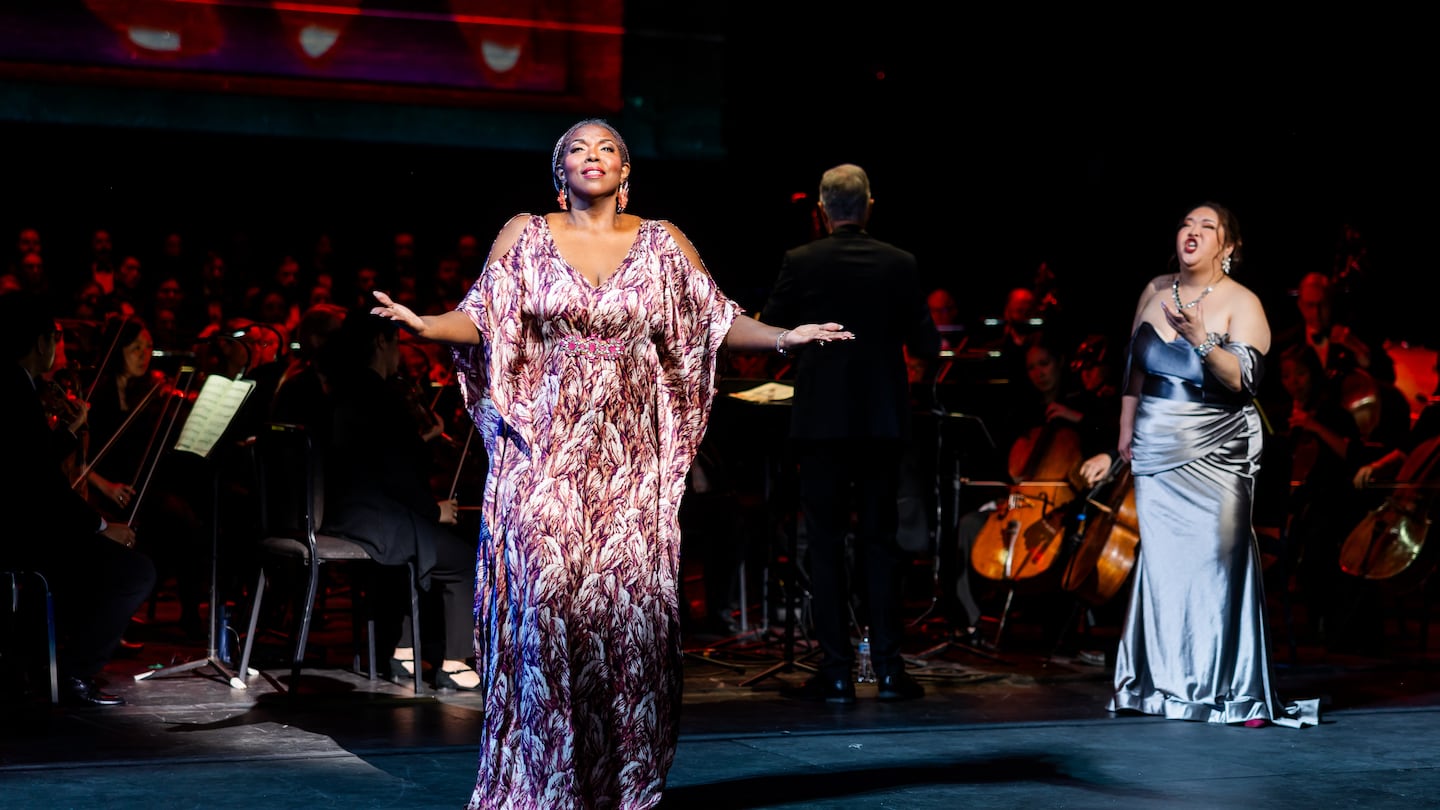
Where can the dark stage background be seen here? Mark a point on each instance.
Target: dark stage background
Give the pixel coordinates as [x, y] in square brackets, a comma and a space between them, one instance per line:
[993, 144]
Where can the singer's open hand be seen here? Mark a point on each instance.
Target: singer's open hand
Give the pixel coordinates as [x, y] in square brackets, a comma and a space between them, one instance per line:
[397, 312]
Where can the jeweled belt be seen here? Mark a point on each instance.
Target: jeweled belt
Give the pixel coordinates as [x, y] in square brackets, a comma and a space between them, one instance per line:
[591, 347]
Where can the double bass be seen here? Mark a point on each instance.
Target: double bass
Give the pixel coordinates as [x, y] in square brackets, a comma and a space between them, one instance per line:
[1016, 545]
[1105, 537]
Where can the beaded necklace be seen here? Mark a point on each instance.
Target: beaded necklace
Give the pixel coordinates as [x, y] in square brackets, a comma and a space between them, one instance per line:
[1175, 291]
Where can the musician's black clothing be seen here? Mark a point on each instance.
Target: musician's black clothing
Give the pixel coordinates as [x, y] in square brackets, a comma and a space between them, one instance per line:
[98, 584]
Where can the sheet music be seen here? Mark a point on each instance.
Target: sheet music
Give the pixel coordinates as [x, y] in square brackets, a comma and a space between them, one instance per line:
[766, 392]
[219, 400]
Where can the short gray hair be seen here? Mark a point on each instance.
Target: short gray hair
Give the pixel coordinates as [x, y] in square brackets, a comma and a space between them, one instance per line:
[845, 192]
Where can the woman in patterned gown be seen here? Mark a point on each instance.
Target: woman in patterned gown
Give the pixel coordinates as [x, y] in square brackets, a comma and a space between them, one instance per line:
[587, 350]
[1193, 644]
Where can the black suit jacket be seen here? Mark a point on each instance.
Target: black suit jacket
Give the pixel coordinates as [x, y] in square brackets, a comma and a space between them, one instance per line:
[1339, 360]
[41, 509]
[857, 388]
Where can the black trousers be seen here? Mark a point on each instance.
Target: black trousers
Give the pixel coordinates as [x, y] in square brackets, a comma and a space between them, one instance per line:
[840, 479]
[453, 581]
[98, 585]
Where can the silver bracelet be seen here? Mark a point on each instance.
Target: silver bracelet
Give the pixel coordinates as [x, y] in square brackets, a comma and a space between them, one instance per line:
[779, 342]
[1212, 340]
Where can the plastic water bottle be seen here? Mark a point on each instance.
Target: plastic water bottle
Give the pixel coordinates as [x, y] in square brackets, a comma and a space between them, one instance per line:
[864, 667]
[222, 627]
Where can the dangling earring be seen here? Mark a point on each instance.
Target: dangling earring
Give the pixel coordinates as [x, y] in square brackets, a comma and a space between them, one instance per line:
[1225, 265]
[563, 197]
[622, 197]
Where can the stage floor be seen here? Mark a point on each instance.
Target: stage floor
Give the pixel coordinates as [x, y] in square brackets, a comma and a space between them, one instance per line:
[1015, 727]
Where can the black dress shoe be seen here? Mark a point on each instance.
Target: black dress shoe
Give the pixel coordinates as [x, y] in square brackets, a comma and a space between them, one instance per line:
[83, 692]
[898, 686]
[830, 690]
[400, 673]
[974, 639]
[445, 679]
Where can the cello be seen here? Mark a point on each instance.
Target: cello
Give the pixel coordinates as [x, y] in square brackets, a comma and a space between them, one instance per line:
[1015, 545]
[1389, 542]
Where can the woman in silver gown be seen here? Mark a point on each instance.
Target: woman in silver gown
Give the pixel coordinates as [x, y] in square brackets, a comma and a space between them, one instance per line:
[1193, 645]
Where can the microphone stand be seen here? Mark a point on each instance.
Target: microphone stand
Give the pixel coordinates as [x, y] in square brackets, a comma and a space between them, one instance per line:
[942, 530]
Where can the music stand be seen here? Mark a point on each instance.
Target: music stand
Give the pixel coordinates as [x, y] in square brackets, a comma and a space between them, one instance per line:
[793, 595]
[975, 426]
[790, 589]
[219, 400]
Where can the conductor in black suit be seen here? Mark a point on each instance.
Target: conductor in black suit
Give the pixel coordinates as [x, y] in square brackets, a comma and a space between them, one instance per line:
[97, 578]
[850, 423]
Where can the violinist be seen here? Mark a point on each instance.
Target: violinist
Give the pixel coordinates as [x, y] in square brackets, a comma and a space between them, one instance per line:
[266, 359]
[97, 578]
[417, 370]
[302, 393]
[378, 493]
[131, 475]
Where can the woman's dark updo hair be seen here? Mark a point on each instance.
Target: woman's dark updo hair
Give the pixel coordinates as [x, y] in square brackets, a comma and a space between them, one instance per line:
[1229, 227]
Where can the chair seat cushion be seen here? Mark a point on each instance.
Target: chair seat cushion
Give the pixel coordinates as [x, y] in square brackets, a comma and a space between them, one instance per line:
[329, 547]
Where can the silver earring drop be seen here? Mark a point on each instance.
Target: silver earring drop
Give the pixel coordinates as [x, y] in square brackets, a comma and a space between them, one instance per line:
[1225, 265]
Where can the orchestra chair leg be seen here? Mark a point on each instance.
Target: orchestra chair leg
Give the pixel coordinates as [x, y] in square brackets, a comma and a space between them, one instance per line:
[292, 505]
[18, 588]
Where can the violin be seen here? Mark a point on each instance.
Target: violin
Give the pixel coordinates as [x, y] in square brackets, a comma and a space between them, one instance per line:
[62, 403]
[61, 398]
[421, 408]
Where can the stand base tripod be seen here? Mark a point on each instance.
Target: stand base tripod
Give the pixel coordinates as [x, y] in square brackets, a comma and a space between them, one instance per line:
[212, 657]
[746, 634]
[211, 660]
[790, 664]
[952, 644]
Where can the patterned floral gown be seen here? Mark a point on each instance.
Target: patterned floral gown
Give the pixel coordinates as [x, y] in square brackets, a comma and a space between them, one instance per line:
[592, 402]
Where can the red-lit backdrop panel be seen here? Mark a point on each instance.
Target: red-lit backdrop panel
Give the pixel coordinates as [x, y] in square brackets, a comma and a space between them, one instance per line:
[553, 54]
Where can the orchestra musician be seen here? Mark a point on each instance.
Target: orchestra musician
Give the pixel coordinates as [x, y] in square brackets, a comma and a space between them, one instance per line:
[135, 416]
[302, 395]
[97, 578]
[1066, 418]
[378, 493]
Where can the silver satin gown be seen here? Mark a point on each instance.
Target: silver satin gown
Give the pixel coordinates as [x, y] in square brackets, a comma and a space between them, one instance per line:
[1193, 645]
